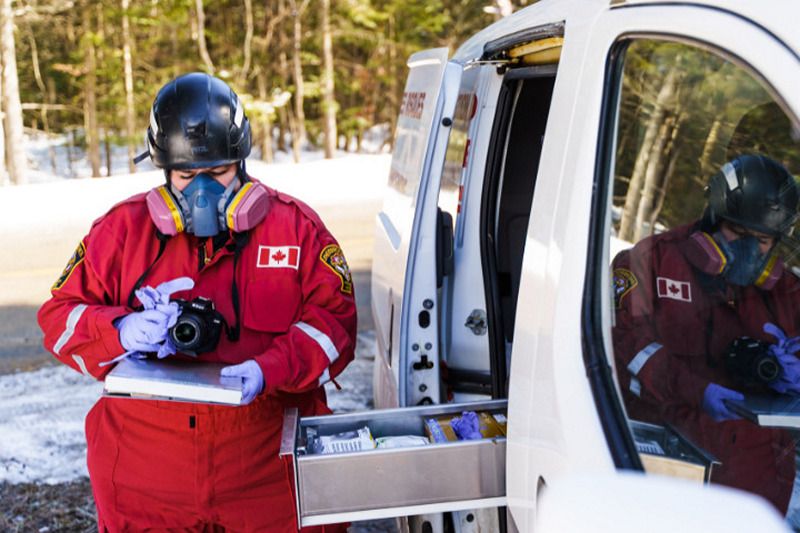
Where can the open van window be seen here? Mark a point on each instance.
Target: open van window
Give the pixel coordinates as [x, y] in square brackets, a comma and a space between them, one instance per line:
[701, 148]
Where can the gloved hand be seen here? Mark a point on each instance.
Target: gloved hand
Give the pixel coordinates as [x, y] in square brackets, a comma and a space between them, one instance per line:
[144, 331]
[466, 426]
[158, 299]
[251, 375]
[714, 402]
[785, 351]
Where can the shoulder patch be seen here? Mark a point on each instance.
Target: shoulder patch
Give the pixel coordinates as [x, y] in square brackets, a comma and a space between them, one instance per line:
[624, 282]
[75, 260]
[333, 257]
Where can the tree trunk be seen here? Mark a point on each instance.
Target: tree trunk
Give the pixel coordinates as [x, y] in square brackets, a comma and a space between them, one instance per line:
[130, 112]
[632, 197]
[4, 179]
[266, 122]
[107, 146]
[708, 150]
[201, 36]
[16, 160]
[652, 181]
[329, 104]
[248, 42]
[393, 85]
[90, 97]
[299, 88]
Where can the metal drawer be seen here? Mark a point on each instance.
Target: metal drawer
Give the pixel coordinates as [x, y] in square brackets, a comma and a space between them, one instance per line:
[384, 483]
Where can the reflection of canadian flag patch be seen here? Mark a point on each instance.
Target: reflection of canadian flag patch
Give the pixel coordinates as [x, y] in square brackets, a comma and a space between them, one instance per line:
[675, 290]
[278, 257]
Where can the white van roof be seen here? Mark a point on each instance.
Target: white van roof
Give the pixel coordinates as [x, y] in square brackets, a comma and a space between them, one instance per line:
[779, 17]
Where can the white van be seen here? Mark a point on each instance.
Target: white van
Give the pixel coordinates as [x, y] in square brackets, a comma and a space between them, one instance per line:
[523, 164]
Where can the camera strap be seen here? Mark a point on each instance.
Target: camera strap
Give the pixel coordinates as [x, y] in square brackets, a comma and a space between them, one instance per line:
[162, 245]
[240, 240]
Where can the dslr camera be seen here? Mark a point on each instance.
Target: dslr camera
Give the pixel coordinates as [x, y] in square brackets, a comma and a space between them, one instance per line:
[198, 327]
[749, 362]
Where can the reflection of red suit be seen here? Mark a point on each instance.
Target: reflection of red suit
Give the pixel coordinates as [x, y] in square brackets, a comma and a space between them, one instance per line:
[156, 464]
[673, 324]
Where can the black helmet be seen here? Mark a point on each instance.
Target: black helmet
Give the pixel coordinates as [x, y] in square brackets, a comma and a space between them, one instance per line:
[197, 121]
[753, 191]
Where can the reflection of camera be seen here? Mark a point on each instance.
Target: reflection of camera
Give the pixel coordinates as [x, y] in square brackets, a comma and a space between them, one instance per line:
[749, 362]
[198, 327]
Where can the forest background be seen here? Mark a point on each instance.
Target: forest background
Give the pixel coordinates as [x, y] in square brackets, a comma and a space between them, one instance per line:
[312, 73]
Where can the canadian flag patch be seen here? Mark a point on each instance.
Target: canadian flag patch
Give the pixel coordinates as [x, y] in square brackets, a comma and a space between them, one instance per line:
[278, 257]
[675, 290]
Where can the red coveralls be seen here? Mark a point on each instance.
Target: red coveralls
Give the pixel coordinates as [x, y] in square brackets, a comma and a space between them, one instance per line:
[158, 464]
[673, 324]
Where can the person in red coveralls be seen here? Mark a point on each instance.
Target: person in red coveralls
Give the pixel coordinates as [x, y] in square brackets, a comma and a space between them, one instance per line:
[705, 312]
[274, 273]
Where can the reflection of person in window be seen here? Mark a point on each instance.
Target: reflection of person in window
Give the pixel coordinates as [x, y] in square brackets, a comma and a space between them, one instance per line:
[684, 296]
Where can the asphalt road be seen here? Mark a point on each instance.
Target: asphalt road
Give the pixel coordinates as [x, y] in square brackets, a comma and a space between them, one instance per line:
[32, 262]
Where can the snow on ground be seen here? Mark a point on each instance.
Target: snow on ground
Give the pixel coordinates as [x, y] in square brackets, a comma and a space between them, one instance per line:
[32, 208]
[42, 413]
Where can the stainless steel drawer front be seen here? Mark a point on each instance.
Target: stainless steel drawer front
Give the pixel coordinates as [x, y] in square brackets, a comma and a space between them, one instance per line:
[393, 482]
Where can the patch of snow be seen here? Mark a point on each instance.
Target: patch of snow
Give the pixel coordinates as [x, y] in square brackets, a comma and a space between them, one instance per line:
[42, 415]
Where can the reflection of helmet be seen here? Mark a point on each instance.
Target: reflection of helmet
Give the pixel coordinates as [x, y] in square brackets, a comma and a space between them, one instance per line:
[197, 121]
[755, 192]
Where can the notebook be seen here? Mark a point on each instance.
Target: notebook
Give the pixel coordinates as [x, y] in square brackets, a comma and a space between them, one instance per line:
[771, 410]
[173, 379]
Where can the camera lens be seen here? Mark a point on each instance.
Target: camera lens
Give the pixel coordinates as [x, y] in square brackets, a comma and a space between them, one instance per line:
[768, 369]
[185, 333]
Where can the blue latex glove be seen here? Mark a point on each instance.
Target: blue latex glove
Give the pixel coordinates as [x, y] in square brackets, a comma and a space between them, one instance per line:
[158, 299]
[785, 351]
[714, 402]
[144, 331]
[466, 426]
[251, 375]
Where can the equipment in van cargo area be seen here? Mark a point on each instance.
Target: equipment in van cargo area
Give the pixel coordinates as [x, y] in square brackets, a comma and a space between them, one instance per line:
[392, 481]
[468, 426]
[348, 441]
[664, 451]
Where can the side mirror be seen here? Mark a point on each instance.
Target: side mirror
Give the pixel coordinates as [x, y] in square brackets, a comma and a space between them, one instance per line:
[629, 502]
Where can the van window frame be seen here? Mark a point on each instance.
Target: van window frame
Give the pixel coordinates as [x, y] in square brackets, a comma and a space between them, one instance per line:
[491, 195]
[600, 374]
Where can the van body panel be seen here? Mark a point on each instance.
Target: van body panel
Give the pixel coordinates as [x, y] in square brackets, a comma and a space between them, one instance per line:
[554, 429]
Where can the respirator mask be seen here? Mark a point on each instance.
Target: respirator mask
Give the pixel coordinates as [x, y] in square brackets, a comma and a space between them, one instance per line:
[739, 262]
[206, 207]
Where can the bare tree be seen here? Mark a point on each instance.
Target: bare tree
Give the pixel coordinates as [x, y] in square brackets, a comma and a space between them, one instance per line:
[328, 98]
[127, 59]
[633, 196]
[90, 95]
[248, 40]
[12, 107]
[46, 96]
[201, 36]
[297, 64]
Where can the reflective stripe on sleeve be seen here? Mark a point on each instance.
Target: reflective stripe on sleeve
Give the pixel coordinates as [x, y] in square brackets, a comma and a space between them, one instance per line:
[72, 321]
[324, 378]
[81, 364]
[636, 387]
[642, 357]
[323, 340]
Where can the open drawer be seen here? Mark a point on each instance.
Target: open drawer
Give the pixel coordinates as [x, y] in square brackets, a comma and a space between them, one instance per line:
[383, 483]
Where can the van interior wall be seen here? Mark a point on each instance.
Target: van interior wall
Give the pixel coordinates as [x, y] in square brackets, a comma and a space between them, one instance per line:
[523, 152]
